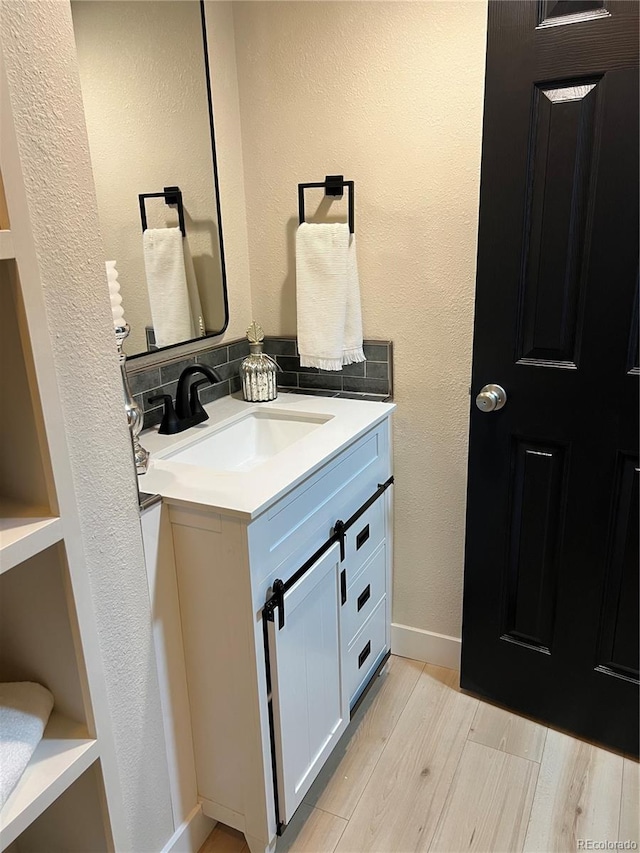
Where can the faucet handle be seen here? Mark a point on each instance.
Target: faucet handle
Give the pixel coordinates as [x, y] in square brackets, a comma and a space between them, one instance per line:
[170, 423]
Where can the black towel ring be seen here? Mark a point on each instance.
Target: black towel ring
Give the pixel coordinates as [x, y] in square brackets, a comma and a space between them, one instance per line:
[333, 186]
[172, 196]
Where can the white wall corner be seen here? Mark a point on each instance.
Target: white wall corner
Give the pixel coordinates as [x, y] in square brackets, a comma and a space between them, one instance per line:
[427, 646]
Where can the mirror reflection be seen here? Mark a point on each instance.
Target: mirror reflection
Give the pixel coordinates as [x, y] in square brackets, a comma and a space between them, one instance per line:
[145, 87]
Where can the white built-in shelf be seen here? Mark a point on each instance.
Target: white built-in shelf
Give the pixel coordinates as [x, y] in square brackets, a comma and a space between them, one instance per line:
[63, 754]
[6, 246]
[24, 532]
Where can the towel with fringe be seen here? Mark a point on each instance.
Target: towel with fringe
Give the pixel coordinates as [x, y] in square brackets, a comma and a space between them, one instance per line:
[328, 296]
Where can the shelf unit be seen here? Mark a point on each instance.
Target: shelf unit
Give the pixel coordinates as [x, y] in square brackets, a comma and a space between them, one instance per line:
[67, 800]
[63, 754]
[24, 532]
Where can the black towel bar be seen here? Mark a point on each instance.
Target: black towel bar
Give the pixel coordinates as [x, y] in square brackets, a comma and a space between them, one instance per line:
[333, 185]
[172, 196]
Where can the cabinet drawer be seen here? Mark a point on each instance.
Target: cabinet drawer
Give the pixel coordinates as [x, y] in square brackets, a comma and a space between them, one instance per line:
[364, 536]
[365, 650]
[302, 520]
[364, 593]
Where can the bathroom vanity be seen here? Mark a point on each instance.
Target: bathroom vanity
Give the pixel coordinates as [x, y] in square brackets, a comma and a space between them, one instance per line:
[276, 519]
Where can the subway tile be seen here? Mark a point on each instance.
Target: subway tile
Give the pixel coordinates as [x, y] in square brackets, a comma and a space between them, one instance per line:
[152, 417]
[231, 368]
[376, 386]
[144, 381]
[280, 346]
[235, 384]
[355, 369]
[376, 352]
[377, 370]
[209, 393]
[320, 380]
[240, 349]
[171, 372]
[286, 379]
[353, 383]
[289, 363]
[214, 357]
[170, 388]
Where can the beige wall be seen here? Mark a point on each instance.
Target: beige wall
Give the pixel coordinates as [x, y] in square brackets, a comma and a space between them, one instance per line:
[224, 90]
[40, 63]
[389, 94]
[145, 96]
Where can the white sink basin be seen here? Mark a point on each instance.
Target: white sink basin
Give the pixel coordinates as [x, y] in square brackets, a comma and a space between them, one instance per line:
[248, 441]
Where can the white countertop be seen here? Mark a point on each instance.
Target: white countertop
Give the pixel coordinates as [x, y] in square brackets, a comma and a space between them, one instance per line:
[249, 493]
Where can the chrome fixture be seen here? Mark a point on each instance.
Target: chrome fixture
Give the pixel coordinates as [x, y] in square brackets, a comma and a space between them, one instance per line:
[491, 398]
[188, 409]
[131, 408]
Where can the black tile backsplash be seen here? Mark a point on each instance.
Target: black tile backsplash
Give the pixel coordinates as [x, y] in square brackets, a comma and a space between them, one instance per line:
[367, 380]
[372, 377]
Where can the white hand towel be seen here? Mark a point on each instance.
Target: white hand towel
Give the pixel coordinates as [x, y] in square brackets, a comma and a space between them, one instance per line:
[167, 285]
[328, 296]
[197, 316]
[24, 712]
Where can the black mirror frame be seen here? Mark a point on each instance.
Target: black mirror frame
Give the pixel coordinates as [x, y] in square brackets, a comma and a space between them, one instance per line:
[216, 185]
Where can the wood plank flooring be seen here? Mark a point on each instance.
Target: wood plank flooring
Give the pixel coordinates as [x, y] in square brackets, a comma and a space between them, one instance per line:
[424, 767]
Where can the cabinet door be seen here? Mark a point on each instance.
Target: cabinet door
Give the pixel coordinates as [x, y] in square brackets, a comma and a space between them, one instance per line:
[310, 703]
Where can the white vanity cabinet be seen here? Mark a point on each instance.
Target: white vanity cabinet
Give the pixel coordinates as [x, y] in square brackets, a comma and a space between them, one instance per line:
[270, 689]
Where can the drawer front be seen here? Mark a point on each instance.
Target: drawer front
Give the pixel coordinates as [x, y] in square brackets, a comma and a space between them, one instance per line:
[364, 537]
[365, 650]
[286, 534]
[364, 593]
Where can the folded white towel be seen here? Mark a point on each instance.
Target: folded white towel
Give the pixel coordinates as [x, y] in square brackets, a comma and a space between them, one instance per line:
[167, 285]
[328, 296]
[24, 711]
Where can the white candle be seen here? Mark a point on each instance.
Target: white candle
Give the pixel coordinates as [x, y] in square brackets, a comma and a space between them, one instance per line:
[114, 294]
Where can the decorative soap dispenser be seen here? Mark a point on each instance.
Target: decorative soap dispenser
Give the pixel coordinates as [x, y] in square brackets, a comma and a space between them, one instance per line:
[258, 370]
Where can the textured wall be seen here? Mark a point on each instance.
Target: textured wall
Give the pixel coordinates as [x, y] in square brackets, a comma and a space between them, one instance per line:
[224, 90]
[145, 97]
[39, 55]
[389, 94]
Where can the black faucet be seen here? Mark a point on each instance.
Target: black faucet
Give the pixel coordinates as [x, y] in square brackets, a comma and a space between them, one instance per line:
[188, 410]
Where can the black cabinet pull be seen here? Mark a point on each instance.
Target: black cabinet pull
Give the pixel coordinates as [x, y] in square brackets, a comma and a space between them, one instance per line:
[343, 586]
[362, 537]
[364, 654]
[364, 596]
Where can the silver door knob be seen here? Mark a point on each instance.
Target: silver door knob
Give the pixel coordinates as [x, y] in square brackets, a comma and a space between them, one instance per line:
[491, 398]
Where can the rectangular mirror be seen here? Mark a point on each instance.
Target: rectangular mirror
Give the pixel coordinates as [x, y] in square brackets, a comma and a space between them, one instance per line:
[145, 83]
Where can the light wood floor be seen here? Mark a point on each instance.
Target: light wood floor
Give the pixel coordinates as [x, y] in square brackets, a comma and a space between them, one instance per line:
[424, 767]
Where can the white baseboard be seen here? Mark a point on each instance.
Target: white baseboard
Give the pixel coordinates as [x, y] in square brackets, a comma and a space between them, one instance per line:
[426, 646]
[191, 834]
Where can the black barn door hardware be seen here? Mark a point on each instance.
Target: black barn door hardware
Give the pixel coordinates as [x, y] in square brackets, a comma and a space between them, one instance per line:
[279, 588]
[333, 186]
[276, 600]
[173, 197]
